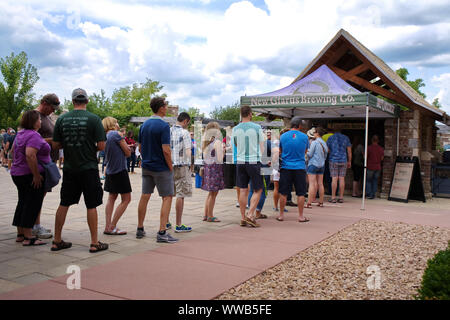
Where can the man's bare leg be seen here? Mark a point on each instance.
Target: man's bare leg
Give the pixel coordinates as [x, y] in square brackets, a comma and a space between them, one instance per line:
[164, 214]
[254, 203]
[142, 209]
[179, 206]
[60, 219]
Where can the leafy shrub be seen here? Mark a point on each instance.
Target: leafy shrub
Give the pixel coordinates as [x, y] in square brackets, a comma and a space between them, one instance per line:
[436, 277]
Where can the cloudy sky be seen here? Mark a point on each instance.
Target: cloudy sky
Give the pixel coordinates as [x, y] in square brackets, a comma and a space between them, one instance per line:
[208, 53]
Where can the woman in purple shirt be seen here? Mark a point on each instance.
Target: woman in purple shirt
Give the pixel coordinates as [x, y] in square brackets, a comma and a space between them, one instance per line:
[29, 149]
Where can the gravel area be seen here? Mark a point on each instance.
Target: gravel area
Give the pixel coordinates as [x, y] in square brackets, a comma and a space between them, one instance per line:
[336, 268]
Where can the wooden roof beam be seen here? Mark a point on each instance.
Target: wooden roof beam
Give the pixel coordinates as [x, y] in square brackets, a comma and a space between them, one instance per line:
[355, 71]
[337, 55]
[374, 88]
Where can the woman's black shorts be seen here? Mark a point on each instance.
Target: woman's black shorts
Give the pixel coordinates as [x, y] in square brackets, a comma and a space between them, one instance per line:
[118, 182]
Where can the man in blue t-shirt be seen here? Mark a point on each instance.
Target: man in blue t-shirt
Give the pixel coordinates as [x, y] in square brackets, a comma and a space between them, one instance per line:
[293, 147]
[157, 169]
[340, 159]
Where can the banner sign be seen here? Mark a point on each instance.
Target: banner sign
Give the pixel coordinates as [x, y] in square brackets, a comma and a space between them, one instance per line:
[318, 100]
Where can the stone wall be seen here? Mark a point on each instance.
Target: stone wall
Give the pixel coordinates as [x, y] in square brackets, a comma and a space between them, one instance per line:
[416, 139]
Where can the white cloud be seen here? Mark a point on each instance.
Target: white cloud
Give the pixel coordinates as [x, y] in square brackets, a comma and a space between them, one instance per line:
[209, 58]
[442, 82]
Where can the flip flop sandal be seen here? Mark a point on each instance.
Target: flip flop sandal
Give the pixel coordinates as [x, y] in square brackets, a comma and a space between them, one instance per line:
[99, 247]
[320, 204]
[279, 219]
[306, 220]
[205, 218]
[262, 216]
[341, 201]
[32, 242]
[20, 236]
[332, 200]
[115, 232]
[61, 245]
[308, 206]
[213, 219]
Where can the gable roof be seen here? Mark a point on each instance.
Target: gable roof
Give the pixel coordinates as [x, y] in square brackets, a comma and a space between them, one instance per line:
[339, 46]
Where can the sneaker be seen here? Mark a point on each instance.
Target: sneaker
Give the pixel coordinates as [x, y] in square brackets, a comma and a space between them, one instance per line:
[182, 228]
[168, 225]
[41, 233]
[140, 234]
[166, 237]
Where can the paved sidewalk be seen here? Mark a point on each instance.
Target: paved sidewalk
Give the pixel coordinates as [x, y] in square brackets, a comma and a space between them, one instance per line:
[206, 262]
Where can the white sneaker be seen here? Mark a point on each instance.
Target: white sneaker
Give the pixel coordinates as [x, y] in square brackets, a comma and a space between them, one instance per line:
[42, 233]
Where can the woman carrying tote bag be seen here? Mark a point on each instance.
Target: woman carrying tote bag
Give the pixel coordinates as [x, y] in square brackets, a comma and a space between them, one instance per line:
[29, 150]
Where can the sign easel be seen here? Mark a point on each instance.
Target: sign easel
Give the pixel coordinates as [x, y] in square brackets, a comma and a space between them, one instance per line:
[407, 181]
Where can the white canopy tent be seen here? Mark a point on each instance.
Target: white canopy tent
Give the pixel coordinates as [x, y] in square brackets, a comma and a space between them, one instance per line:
[323, 95]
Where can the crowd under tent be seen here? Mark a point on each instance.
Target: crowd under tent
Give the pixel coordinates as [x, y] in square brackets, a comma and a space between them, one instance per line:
[348, 86]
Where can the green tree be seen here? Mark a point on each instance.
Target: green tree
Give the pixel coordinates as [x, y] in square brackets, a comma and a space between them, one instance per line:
[99, 104]
[16, 96]
[134, 101]
[231, 112]
[436, 103]
[416, 84]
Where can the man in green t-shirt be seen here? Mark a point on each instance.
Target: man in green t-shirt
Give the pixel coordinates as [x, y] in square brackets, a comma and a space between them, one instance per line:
[81, 134]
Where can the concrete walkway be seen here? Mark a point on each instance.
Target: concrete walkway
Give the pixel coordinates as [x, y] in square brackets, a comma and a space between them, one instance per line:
[206, 262]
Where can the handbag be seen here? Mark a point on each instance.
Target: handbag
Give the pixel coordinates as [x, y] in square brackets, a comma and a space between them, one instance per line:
[52, 175]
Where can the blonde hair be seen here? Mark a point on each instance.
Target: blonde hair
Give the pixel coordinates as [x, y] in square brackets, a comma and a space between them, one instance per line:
[212, 132]
[109, 123]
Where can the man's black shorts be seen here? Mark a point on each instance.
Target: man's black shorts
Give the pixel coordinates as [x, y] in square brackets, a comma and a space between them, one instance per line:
[289, 177]
[246, 172]
[86, 182]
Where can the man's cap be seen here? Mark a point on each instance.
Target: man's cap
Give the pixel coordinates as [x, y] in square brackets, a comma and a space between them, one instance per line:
[52, 100]
[79, 94]
[12, 131]
[311, 132]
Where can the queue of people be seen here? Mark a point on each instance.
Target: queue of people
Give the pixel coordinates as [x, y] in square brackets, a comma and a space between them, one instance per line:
[292, 161]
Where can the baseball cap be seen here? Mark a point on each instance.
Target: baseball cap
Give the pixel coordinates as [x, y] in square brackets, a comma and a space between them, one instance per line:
[52, 100]
[79, 94]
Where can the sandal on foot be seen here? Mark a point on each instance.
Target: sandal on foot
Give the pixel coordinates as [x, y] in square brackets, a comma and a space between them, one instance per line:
[332, 200]
[306, 220]
[33, 242]
[261, 216]
[205, 218]
[308, 206]
[20, 238]
[98, 247]
[115, 232]
[320, 204]
[280, 219]
[213, 219]
[340, 200]
[61, 245]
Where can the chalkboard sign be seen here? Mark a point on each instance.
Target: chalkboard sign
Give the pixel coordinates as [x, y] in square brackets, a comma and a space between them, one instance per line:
[407, 181]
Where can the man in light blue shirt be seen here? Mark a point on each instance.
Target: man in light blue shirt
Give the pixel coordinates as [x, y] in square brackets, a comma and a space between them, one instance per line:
[248, 138]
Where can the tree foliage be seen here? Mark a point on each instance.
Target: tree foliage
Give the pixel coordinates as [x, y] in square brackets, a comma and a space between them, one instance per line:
[436, 103]
[416, 84]
[19, 78]
[231, 112]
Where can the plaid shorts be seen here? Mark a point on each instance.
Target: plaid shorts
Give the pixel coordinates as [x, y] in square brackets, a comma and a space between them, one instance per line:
[338, 169]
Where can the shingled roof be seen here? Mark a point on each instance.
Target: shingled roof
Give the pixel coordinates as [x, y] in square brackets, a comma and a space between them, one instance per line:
[364, 74]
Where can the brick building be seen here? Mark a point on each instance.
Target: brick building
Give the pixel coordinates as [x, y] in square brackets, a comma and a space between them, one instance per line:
[411, 133]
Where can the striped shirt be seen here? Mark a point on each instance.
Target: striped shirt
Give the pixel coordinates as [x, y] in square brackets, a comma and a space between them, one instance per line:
[180, 143]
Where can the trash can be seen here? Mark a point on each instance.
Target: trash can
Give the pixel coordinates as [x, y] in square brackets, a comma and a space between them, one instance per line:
[198, 180]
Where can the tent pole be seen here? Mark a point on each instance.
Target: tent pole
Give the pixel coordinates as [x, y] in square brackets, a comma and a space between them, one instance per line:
[365, 160]
[398, 133]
